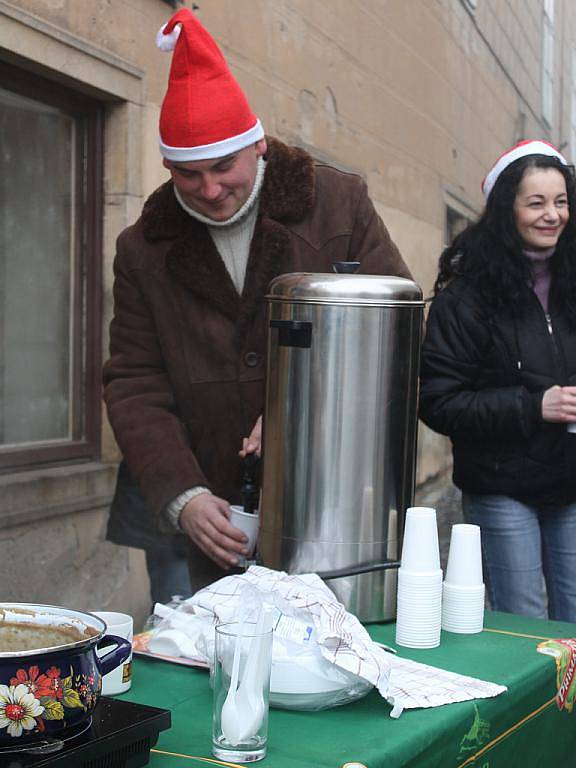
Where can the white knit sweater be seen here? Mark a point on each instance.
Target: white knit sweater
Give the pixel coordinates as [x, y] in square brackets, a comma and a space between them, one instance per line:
[232, 237]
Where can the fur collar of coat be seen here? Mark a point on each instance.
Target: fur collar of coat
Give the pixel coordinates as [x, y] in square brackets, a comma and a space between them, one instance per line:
[193, 260]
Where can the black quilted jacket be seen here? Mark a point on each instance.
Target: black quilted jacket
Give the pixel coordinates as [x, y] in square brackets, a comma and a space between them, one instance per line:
[482, 380]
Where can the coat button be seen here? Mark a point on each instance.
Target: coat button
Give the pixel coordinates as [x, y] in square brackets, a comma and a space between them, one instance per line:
[252, 359]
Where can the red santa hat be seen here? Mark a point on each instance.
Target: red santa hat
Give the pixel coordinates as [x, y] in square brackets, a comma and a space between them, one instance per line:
[204, 113]
[522, 149]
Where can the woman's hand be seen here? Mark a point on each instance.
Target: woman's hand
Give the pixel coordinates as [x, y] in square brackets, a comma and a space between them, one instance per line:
[559, 404]
[253, 443]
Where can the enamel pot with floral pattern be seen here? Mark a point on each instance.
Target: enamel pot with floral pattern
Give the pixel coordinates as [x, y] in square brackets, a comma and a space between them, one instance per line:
[50, 673]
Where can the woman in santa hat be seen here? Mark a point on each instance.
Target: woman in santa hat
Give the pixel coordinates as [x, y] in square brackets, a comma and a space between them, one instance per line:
[499, 378]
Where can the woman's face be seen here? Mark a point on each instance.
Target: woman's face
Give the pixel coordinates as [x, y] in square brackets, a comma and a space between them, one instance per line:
[541, 208]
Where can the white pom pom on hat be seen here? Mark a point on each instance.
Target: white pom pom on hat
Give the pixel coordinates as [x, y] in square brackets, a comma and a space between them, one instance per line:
[205, 113]
[167, 42]
[522, 149]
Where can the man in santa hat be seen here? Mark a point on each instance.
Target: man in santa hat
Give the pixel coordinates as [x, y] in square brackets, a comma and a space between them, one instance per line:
[184, 384]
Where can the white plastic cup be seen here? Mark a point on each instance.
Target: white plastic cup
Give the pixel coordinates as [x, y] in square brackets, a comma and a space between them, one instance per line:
[463, 593]
[118, 680]
[172, 642]
[420, 550]
[418, 640]
[463, 609]
[420, 601]
[458, 629]
[464, 567]
[419, 607]
[248, 522]
[418, 580]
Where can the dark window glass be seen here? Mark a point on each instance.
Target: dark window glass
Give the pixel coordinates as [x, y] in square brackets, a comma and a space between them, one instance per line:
[50, 212]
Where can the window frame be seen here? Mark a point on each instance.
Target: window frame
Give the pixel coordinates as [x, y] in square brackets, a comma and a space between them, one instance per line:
[87, 308]
[456, 208]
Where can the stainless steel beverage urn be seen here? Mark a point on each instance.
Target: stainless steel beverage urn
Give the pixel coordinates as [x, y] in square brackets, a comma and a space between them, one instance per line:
[340, 419]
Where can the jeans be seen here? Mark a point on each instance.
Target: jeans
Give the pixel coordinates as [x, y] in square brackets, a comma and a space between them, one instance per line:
[168, 573]
[529, 555]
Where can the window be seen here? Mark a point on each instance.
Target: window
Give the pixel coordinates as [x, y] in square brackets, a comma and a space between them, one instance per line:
[455, 223]
[50, 245]
[548, 63]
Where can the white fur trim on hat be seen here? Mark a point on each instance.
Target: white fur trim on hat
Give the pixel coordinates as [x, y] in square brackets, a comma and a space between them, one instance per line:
[217, 149]
[520, 150]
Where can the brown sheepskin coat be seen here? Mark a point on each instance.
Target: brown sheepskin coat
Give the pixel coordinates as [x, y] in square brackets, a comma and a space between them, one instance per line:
[185, 379]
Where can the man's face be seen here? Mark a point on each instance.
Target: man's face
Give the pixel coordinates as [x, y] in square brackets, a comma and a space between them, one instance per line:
[217, 188]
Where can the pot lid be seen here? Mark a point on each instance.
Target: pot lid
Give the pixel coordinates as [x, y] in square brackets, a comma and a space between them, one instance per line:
[326, 288]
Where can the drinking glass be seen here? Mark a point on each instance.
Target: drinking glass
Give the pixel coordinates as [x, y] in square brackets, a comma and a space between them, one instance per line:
[242, 666]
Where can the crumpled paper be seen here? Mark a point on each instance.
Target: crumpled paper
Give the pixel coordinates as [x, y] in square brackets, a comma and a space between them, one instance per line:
[341, 638]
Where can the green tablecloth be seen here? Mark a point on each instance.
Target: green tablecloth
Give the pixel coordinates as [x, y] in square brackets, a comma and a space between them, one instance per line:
[522, 727]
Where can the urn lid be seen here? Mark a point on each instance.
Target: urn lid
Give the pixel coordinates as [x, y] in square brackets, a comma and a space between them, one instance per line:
[348, 289]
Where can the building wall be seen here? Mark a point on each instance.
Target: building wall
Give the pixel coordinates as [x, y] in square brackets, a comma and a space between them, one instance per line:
[419, 96]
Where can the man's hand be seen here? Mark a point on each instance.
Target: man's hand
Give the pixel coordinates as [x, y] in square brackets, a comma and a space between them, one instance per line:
[559, 404]
[206, 520]
[253, 443]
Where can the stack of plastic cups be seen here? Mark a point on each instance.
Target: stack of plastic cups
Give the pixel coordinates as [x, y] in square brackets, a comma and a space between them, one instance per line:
[419, 606]
[463, 591]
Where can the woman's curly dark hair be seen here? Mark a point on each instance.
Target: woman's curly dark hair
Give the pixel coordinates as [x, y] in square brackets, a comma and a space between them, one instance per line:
[490, 251]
